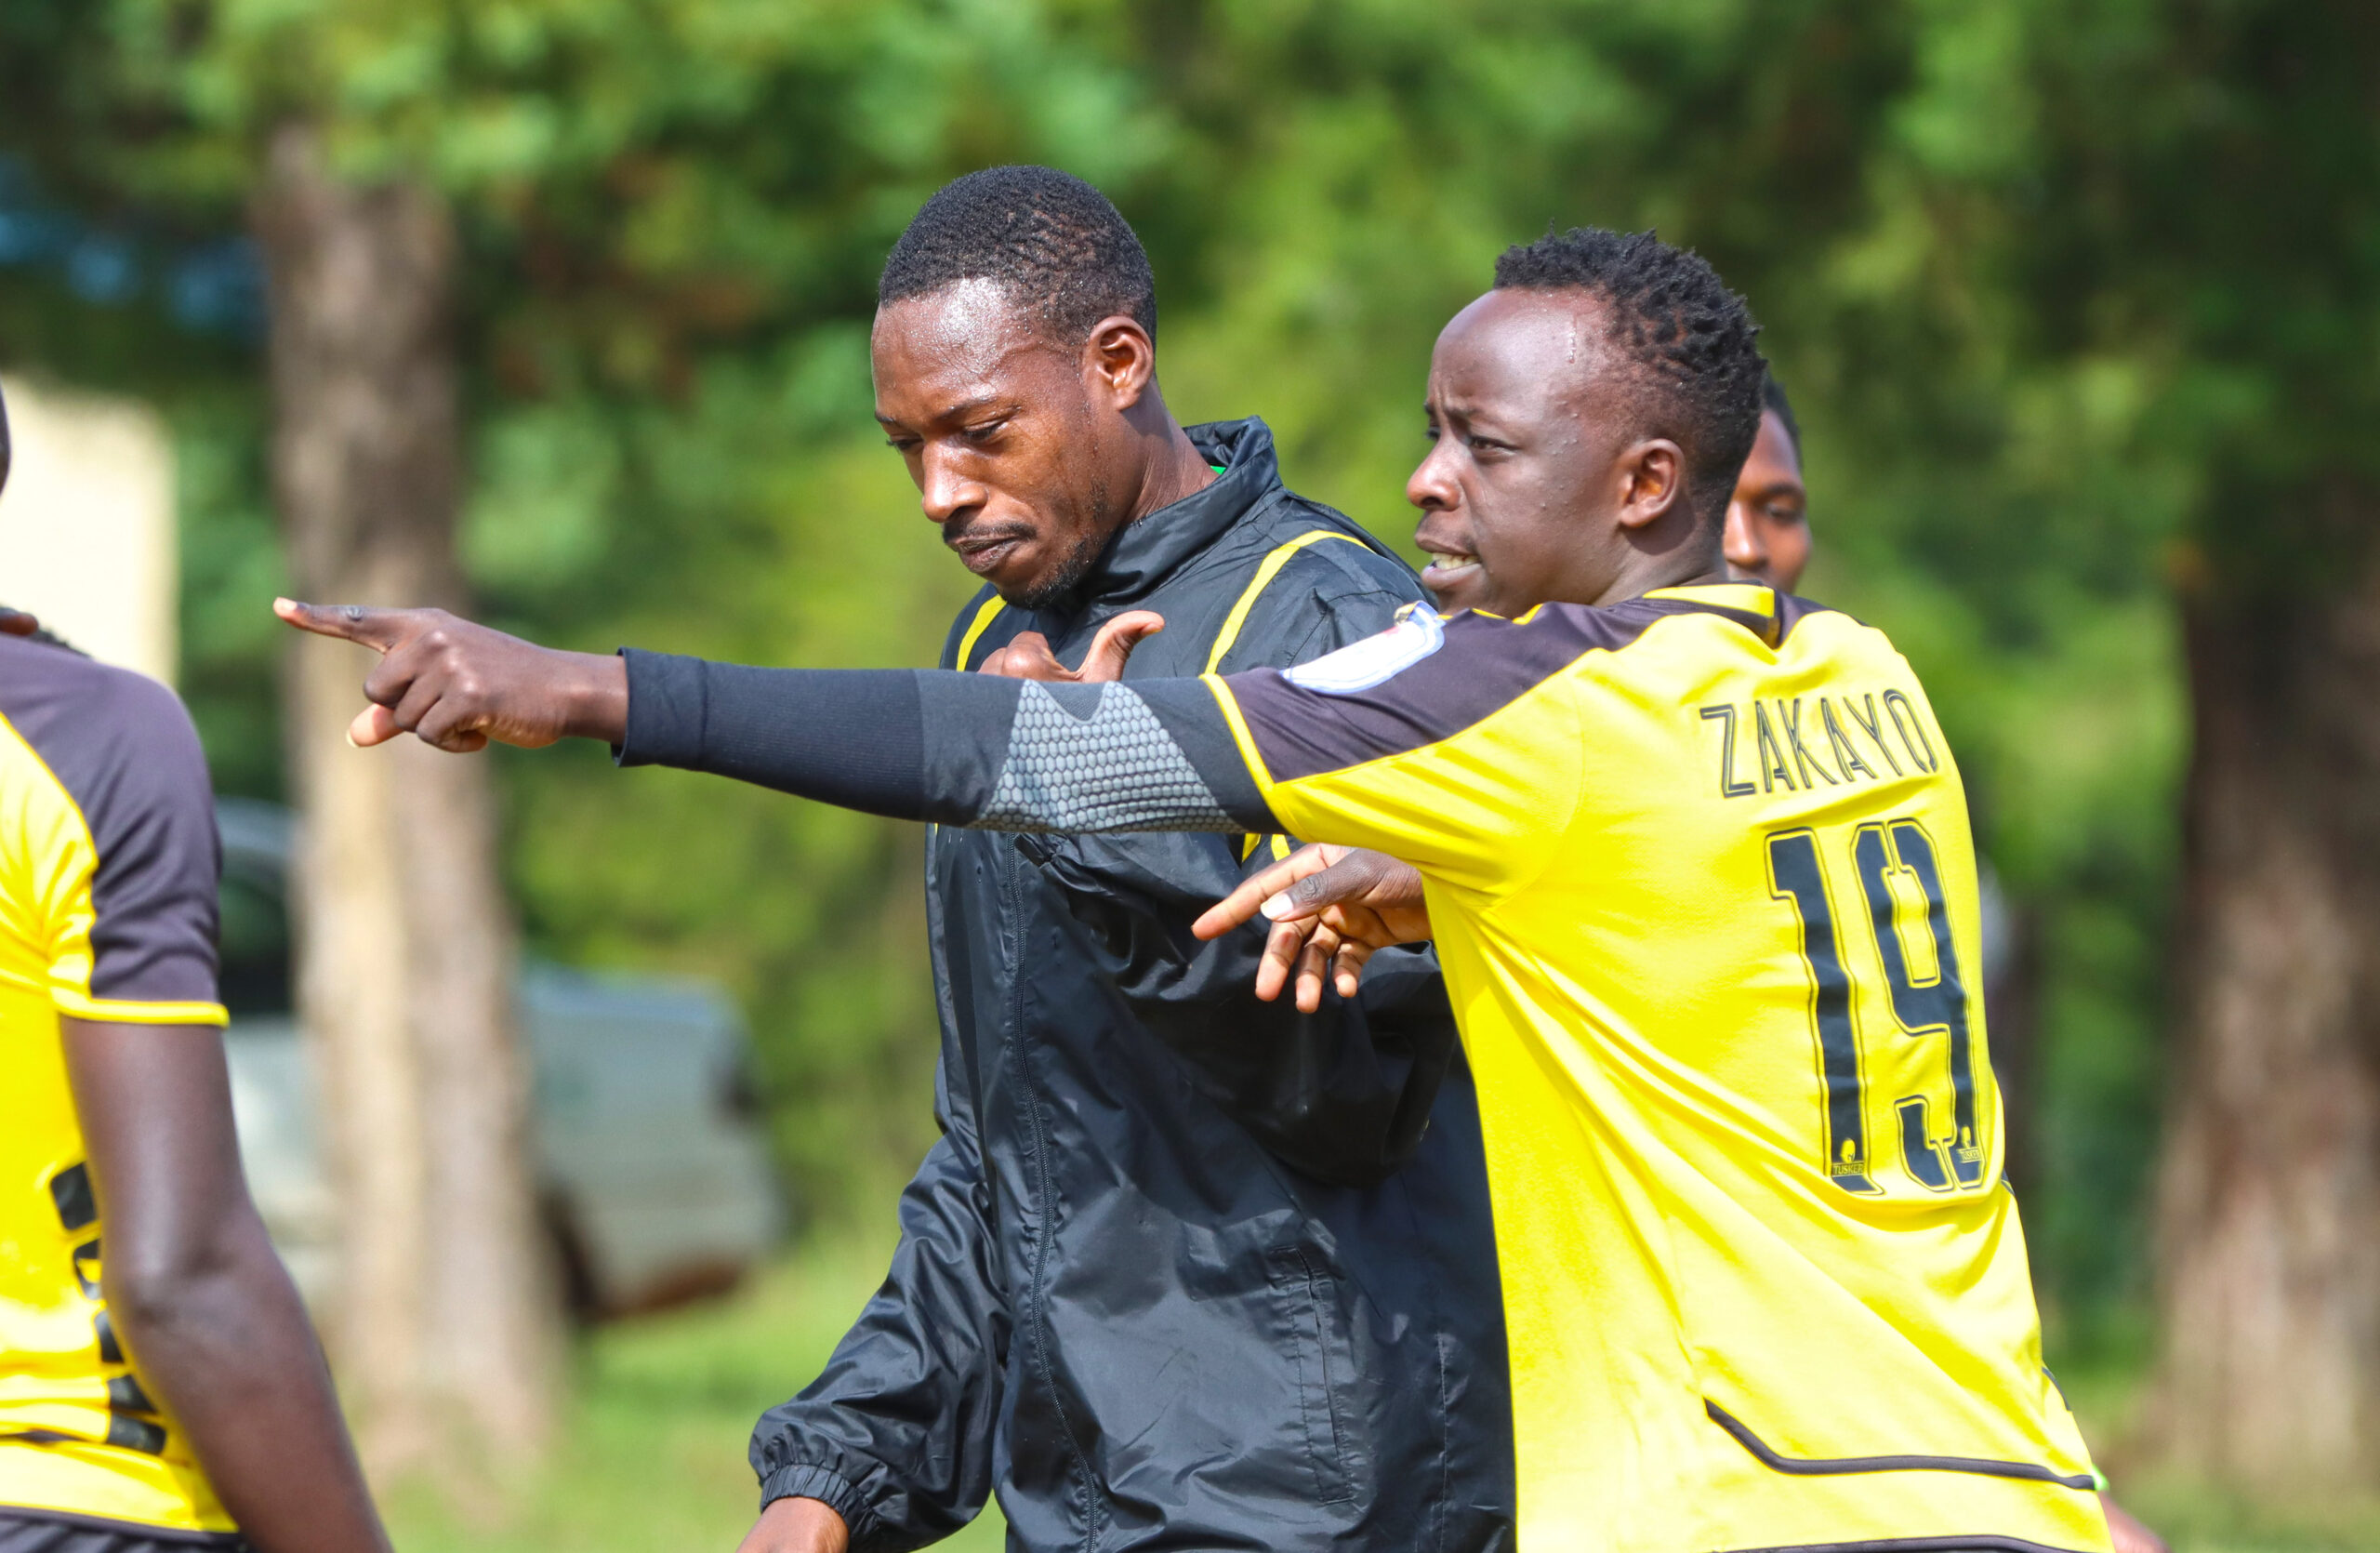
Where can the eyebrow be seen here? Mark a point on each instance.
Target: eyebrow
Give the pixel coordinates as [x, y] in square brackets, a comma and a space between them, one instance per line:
[950, 412]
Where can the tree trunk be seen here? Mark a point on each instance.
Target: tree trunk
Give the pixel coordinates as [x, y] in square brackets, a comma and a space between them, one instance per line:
[2269, 1199]
[445, 1315]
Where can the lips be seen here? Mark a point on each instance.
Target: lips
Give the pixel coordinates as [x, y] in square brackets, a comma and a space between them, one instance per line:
[983, 553]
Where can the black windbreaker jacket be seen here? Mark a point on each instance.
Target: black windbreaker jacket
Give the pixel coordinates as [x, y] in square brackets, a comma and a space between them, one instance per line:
[1186, 1270]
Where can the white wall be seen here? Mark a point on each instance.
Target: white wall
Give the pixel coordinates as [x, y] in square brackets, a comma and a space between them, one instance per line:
[87, 524]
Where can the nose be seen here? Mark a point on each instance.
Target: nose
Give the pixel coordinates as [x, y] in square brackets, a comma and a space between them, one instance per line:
[1433, 488]
[944, 490]
[1745, 545]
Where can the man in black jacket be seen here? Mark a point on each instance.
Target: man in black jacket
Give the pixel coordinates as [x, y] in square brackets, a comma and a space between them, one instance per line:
[1162, 1282]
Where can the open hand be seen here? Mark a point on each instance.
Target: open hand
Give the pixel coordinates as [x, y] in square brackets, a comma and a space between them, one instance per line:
[457, 685]
[1331, 907]
[1028, 656]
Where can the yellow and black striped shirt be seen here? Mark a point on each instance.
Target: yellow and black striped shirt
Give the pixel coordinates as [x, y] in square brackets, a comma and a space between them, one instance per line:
[108, 864]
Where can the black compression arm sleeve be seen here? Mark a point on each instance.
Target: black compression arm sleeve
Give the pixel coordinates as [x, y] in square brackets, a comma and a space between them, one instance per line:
[851, 737]
[959, 749]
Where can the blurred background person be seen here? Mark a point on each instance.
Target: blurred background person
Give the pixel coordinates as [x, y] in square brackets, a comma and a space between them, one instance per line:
[1768, 519]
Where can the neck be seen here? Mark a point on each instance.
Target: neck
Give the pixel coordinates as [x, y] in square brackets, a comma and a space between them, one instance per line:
[1695, 559]
[1174, 469]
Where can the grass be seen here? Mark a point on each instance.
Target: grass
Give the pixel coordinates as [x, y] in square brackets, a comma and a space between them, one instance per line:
[651, 1448]
[650, 1453]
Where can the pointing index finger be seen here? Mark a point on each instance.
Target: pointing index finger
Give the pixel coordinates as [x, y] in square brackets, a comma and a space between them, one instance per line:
[380, 629]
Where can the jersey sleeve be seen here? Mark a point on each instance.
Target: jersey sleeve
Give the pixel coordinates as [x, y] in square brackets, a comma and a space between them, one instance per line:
[134, 940]
[1438, 744]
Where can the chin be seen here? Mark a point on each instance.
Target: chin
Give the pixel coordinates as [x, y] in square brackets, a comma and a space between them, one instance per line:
[1461, 596]
[1042, 578]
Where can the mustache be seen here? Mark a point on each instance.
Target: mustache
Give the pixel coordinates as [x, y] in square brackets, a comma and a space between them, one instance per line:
[958, 531]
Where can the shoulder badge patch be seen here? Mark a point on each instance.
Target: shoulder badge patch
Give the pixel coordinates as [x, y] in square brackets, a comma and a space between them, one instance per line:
[1361, 665]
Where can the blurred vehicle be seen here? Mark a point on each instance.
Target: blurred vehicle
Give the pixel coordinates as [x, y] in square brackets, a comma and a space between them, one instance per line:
[651, 1170]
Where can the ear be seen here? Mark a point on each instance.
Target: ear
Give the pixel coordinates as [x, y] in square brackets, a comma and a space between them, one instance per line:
[1120, 360]
[1654, 475]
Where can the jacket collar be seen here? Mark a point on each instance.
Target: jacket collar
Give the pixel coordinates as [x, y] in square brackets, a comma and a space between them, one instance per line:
[1143, 555]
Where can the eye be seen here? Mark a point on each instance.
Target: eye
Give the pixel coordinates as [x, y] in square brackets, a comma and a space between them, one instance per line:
[983, 433]
[901, 444]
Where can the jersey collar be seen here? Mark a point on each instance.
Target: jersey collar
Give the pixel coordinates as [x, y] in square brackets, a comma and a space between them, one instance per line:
[1753, 605]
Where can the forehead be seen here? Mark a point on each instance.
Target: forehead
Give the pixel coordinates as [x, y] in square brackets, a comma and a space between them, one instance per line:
[969, 335]
[1517, 346]
[1773, 456]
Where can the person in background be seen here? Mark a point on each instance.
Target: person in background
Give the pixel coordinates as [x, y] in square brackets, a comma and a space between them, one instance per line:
[168, 1392]
[1767, 538]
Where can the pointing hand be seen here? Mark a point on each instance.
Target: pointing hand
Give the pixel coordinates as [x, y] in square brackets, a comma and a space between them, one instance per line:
[457, 685]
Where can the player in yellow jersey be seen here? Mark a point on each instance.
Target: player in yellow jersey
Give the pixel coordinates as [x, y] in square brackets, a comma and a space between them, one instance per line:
[1699, 870]
[159, 1384]
[1332, 906]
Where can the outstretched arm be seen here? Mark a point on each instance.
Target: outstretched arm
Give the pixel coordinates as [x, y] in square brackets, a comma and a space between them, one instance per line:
[1301, 750]
[969, 749]
[205, 1311]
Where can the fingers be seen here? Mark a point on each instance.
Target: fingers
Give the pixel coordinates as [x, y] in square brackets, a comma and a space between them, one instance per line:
[1314, 968]
[1349, 877]
[375, 725]
[1347, 966]
[382, 629]
[1115, 642]
[1028, 656]
[1282, 947]
[1256, 892]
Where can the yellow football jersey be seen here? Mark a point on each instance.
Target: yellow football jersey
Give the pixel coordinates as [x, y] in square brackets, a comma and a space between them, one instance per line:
[107, 911]
[1703, 880]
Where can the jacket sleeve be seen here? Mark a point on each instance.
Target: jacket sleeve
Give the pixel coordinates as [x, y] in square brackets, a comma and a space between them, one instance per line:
[1342, 1094]
[895, 1435]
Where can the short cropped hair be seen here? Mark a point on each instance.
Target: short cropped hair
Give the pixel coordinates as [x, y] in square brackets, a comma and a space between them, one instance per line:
[1773, 400]
[1688, 340]
[1052, 242]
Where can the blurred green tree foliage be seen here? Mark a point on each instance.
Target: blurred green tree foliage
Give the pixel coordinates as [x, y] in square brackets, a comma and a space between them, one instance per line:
[674, 211]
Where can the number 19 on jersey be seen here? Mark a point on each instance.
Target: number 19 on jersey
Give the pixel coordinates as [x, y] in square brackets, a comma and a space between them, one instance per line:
[1897, 941]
